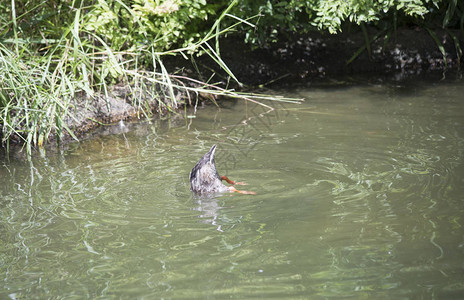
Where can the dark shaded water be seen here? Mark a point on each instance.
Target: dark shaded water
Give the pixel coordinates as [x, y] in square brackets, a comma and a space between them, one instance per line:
[359, 195]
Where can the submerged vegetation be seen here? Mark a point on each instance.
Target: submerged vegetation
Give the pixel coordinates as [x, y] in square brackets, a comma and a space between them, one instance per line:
[57, 54]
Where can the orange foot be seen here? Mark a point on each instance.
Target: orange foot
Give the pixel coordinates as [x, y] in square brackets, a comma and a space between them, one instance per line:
[227, 179]
[240, 183]
[231, 181]
[232, 189]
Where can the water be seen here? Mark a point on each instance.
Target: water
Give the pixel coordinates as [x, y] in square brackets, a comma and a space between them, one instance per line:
[359, 195]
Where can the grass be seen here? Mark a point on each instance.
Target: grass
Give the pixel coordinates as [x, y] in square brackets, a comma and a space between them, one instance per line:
[33, 100]
[39, 88]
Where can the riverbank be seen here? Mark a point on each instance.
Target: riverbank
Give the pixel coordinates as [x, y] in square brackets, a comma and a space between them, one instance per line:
[300, 59]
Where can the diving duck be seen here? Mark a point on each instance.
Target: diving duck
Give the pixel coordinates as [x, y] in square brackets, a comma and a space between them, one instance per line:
[204, 178]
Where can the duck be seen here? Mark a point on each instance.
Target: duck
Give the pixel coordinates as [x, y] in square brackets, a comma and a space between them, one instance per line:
[205, 179]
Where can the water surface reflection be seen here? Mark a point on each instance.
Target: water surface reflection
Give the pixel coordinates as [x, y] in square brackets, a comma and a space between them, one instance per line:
[359, 194]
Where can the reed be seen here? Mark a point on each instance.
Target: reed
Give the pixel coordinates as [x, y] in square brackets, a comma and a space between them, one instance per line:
[41, 78]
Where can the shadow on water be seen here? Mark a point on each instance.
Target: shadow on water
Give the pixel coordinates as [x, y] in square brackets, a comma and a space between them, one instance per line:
[358, 195]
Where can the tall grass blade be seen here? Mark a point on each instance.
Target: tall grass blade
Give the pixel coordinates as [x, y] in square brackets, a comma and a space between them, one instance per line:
[220, 62]
[15, 25]
[439, 45]
[168, 83]
[218, 21]
[366, 40]
[457, 45]
[362, 48]
[449, 12]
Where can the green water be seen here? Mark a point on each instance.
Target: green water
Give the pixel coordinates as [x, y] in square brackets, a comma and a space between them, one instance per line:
[359, 195]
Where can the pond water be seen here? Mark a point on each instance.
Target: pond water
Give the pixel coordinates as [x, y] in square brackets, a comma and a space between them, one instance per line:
[359, 195]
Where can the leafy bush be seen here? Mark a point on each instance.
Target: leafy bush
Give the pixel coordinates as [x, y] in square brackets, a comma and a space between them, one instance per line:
[161, 24]
[303, 16]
